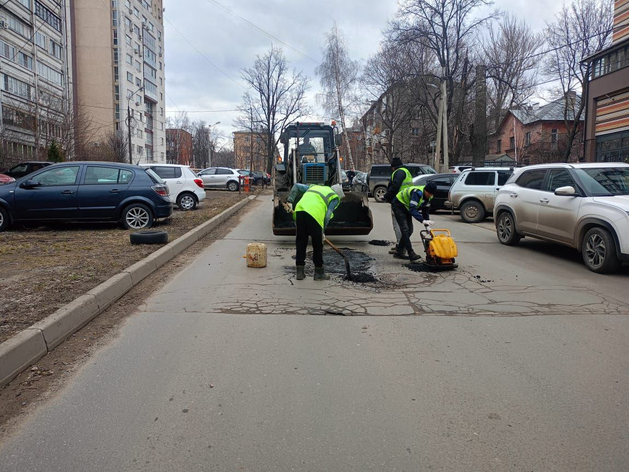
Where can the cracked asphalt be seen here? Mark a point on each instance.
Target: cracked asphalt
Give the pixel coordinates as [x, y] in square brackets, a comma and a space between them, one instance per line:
[518, 360]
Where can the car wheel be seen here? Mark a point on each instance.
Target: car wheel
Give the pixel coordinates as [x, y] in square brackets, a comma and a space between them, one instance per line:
[186, 201]
[232, 186]
[137, 216]
[599, 251]
[472, 212]
[149, 237]
[378, 194]
[505, 228]
[4, 219]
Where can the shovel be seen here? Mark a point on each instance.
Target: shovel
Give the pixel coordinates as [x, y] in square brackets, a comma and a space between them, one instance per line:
[347, 268]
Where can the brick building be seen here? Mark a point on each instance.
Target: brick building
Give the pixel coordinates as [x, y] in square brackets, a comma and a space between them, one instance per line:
[607, 95]
[536, 134]
[250, 147]
[178, 147]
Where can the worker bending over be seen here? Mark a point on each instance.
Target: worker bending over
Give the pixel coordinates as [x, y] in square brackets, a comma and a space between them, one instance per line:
[401, 178]
[412, 202]
[312, 214]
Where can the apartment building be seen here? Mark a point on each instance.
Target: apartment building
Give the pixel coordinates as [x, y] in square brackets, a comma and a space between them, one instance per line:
[607, 95]
[118, 50]
[35, 80]
[250, 150]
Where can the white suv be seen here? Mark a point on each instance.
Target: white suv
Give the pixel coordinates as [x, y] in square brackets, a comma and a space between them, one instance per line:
[474, 191]
[585, 206]
[186, 189]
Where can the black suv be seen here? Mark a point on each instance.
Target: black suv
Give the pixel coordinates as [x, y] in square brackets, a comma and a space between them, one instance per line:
[380, 175]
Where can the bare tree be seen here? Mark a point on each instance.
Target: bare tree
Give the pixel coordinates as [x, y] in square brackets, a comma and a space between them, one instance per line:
[277, 98]
[511, 64]
[579, 31]
[339, 75]
[447, 28]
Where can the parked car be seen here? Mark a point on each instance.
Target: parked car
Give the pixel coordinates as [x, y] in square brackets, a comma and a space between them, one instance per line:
[6, 179]
[474, 191]
[25, 168]
[584, 206]
[221, 177]
[262, 177]
[186, 189]
[458, 169]
[77, 191]
[444, 183]
[380, 175]
[258, 177]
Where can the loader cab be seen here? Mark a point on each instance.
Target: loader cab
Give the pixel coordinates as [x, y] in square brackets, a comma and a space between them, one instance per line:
[310, 154]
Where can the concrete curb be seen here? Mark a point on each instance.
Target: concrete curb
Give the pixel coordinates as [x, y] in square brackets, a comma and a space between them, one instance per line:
[27, 347]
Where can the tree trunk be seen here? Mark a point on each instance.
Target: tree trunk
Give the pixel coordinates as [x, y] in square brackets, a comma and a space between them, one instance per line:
[480, 118]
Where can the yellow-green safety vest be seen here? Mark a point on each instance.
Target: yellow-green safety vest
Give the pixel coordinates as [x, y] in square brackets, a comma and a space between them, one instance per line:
[404, 196]
[315, 202]
[408, 180]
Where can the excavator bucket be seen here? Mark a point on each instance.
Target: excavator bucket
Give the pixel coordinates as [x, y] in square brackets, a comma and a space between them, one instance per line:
[352, 217]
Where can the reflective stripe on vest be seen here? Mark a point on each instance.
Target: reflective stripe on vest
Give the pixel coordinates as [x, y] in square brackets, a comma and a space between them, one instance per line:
[404, 196]
[316, 202]
[408, 179]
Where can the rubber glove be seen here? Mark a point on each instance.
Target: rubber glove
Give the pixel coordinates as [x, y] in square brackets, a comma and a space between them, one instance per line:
[429, 223]
[288, 207]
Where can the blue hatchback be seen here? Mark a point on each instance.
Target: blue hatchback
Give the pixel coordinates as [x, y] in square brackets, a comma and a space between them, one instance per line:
[87, 191]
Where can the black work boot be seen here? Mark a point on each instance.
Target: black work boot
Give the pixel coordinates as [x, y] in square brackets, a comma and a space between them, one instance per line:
[414, 257]
[319, 274]
[301, 272]
[400, 255]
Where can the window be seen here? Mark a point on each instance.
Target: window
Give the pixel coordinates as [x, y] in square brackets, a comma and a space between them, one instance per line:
[19, 27]
[129, 59]
[26, 3]
[532, 179]
[136, 12]
[167, 172]
[553, 136]
[7, 50]
[138, 66]
[415, 131]
[138, 82]
[107, 175]
[136, 30]
[58, 176]
[116, 75]
[499, 145]
[503, 176]
[511, 142]
[480, 178]
[139, 133]
[527, 139]
[48, 16]
[55, 49]
[16, 87]
[129, 77]
[559, 178]
[140, 150]
[128, 40]
[223, 171]
[25, 61]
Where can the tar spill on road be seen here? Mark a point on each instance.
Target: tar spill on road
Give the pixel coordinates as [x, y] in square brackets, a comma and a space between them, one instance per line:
[361, 264]
[380, 242]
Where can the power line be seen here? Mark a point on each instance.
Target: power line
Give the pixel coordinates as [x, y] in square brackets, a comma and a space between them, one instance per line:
[203, 55]
[253, 25]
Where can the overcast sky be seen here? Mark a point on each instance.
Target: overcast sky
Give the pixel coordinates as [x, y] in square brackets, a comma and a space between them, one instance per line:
[208, 42]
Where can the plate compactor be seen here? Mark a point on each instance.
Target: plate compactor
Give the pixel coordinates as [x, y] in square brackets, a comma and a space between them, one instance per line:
[440, 249]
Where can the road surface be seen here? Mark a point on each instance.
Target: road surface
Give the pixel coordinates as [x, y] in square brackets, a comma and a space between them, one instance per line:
[517, 361]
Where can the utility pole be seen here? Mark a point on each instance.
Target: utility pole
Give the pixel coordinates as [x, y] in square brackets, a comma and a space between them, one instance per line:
[444, 122]
[480, 118]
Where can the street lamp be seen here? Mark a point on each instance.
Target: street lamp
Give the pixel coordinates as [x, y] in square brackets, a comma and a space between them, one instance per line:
[210, 139]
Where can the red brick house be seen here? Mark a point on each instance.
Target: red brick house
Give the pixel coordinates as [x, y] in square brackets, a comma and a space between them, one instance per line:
[536, 134]
[178, 147]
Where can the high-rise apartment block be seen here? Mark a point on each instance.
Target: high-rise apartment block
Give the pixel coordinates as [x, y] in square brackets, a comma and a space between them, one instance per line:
[118, 47]
[35, 78]
[81, 73]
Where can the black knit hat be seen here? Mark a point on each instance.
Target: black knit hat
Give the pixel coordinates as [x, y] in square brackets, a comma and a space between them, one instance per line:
[396, 162]
[431, 188]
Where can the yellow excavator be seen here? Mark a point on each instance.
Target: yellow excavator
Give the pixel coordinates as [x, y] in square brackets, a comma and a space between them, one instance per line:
[311, 157]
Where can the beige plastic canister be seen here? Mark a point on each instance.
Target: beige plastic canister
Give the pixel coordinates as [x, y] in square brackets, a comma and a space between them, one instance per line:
[256, 255]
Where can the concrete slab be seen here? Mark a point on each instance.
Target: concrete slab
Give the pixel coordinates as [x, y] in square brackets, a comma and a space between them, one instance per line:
[69, 318]
[19, 352]
[112, 289]
[141, 269]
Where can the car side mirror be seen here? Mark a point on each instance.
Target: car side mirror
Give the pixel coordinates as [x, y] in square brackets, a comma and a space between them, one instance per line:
[567, 191]
[30, 184]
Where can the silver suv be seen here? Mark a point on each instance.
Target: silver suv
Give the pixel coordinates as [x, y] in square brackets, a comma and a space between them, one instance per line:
[475, 190]
[584, 206]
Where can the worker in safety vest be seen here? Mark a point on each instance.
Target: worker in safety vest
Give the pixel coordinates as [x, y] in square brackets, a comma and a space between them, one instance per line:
[400, 179]
[412, 202]
[312, 214]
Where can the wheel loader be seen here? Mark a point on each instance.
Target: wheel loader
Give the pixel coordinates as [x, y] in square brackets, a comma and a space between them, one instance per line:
[311, 157]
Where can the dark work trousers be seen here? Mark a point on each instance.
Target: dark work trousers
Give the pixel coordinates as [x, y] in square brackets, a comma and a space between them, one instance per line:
[405, 222]
[308, 226]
